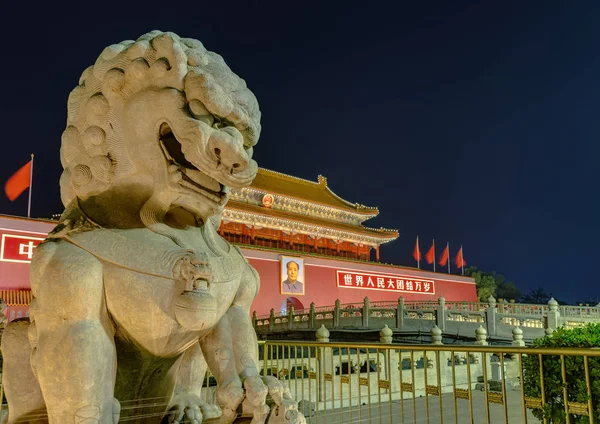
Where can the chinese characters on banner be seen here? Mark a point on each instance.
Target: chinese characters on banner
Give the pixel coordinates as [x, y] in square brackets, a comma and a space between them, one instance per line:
[393, 283]
[18, 248]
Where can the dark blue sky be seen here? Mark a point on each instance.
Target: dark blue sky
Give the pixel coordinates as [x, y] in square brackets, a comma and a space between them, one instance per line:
[472, 123]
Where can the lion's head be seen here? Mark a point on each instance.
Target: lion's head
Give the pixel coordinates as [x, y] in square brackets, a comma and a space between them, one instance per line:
[157, 128]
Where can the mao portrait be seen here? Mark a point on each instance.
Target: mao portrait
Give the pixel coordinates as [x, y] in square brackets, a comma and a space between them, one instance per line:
[292, 275]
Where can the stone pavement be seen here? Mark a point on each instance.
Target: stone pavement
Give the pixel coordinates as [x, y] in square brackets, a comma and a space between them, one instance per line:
[386, 413]
[383, 414]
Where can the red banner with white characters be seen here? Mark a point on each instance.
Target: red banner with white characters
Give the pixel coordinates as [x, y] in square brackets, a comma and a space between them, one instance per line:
[18, 248]
[391, 283]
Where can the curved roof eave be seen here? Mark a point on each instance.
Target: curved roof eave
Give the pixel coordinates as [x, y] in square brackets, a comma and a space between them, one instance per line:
[317, 192]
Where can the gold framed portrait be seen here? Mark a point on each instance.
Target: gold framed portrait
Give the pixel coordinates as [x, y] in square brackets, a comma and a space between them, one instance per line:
[292, 275]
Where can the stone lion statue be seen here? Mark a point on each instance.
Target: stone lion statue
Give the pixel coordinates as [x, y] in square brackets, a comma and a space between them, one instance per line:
[135, 293]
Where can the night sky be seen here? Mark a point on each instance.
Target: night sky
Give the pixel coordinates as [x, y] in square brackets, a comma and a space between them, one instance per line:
[475, 124]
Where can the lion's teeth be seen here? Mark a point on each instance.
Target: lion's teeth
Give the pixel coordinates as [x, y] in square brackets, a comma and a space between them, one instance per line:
[202, 179]
[211, 196]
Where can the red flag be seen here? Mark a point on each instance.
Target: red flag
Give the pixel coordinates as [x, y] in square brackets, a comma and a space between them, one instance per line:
[444, 257]
[19, 182]
[417, 251]
[430, 256]
[459, 260]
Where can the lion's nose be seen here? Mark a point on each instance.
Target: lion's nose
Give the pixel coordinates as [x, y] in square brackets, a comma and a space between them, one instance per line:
[227, 145]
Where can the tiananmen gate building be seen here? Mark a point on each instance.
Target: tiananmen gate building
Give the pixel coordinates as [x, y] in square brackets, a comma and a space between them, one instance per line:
[307, 244]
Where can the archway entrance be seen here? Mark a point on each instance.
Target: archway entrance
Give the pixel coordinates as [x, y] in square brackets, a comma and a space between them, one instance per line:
[290, 301]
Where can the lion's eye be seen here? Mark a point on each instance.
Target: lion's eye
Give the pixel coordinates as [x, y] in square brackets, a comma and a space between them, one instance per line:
[199, 112]
[221, 123]
[207, 119]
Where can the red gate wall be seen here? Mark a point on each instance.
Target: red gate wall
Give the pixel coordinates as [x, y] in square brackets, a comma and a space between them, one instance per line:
[20, 235]
[321, 282]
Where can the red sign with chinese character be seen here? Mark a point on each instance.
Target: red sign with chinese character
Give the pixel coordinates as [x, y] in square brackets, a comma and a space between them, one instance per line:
[18, 248]
[393, 283]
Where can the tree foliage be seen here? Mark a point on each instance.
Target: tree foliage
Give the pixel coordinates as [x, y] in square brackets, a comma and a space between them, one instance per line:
[492, 284]
[507, 290]
[575, 381]
[539, 296]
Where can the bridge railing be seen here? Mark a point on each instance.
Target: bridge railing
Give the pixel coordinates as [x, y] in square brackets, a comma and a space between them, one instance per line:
[586, 312]
[390, 383]
[499, 319]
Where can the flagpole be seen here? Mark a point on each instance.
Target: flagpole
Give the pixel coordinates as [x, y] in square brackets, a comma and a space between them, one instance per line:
[433, 255]
[462, 260]
[418, 254]
[30, 187]
[448, 247]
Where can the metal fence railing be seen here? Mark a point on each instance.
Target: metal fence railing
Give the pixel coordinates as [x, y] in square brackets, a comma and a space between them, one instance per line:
[389, 383]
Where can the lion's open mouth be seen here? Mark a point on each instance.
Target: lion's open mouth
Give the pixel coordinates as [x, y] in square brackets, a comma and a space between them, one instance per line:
[191, 176]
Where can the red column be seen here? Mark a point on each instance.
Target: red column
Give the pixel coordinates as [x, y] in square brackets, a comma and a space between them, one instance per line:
[377, 253]
[252, 234]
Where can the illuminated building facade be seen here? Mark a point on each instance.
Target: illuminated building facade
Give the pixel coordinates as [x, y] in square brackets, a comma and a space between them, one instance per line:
[307, 244]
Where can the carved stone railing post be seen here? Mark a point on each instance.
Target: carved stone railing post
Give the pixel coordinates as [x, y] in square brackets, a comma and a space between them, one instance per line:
[312, 315]
[553, 314]
[336, 314]
[322, 334]
[386, 335]
[271, 319]
[490, 316]
[291, 317]
[400, 313]
[366, 312]
[323, 362]
[254, 319]
[481, 336]
[436, 335]
[441, 313]
[517, 340]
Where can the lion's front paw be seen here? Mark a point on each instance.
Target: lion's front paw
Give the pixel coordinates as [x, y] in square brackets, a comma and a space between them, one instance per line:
[285, 408]
[256, 399]
[184, 408]
[229, 396]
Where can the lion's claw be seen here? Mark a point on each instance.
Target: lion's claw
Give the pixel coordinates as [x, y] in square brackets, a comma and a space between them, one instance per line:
[189, 409]
[228, 398]
[185, 415]
[285, 408]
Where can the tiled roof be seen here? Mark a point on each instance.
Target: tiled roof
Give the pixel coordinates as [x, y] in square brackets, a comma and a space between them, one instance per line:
[317, 192]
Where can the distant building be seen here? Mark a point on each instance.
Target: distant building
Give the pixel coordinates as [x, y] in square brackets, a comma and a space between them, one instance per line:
[277, 220]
